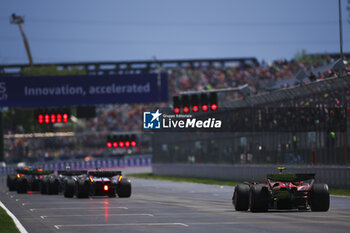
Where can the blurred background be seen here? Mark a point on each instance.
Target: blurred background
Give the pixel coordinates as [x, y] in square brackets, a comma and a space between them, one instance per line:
[201, 46]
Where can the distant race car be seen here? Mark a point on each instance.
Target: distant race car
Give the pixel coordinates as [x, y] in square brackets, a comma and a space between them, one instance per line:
[282, 191]
[26, 180]
[53, 184]
[98, 183]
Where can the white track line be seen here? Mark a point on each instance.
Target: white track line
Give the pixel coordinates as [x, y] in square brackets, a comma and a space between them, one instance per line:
[15, 220]
[82, 208]
[340, 196]
[93, 215]
[124, 224]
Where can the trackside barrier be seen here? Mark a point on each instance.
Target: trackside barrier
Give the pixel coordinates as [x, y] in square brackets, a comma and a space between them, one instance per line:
[104, 163]
[334, 176]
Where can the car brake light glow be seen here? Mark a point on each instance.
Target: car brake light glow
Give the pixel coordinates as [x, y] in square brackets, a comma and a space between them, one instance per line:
[105, 188]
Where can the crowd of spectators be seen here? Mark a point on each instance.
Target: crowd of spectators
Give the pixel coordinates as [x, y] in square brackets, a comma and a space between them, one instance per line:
[128, 117]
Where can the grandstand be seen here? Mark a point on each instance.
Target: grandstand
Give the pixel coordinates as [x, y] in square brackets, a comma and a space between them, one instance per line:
[270, 85]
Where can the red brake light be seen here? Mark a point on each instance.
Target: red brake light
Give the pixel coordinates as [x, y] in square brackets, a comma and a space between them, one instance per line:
[105, 187]
[205, 108]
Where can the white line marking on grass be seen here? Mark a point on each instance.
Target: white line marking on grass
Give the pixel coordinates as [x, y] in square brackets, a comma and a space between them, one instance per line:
[15, 220]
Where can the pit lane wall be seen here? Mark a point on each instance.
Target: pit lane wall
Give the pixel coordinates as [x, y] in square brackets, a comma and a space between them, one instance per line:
[134, 164]
[334, 176]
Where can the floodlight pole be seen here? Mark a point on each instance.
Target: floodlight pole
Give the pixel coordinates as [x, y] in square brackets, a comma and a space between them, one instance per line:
[16, 19]
[340, 30]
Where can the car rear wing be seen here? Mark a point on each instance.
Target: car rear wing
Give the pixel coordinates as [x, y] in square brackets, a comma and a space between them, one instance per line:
[290, 177]
[104, 173]
[72, 172]
[34, 172]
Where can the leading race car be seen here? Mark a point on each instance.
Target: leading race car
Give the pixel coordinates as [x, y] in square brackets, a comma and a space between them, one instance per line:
[282, 191]
[26, 179]
[99, 183]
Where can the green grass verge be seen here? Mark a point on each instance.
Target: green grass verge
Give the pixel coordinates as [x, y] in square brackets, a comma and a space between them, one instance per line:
[342, 192]
[6, 223]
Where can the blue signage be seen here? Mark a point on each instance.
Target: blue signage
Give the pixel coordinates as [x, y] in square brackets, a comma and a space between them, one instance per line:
[82, 90]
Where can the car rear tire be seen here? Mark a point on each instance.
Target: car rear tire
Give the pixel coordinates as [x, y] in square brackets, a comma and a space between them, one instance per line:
[319, 197]
[69, 188]
[22, 185]
[258, 198]
[124, 188]
[43, 185]
[82, 189]
[53, 186]
[34, 185]
[11, 182]
[240, 198]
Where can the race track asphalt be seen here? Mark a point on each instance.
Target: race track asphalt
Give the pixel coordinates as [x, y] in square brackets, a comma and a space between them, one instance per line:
[164, 206]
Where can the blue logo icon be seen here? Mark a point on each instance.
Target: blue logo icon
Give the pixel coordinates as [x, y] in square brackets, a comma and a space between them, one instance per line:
[151, 120]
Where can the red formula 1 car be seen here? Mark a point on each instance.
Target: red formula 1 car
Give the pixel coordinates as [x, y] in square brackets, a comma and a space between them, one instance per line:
[282, 191]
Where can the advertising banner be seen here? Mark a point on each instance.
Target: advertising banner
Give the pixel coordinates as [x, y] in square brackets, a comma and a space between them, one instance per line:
[82, 90]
